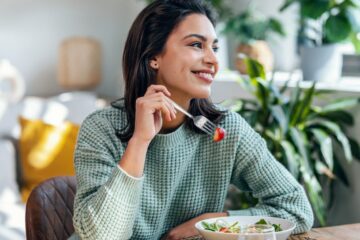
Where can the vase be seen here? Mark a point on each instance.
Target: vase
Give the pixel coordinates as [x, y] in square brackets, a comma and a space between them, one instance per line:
[258, 50]
[321, 63]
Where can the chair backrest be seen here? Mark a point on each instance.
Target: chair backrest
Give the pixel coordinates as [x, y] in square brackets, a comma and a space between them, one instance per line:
[49, 209]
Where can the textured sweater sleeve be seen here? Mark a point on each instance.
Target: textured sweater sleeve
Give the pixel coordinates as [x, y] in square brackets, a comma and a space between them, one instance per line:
[107, 198]
[279, 194]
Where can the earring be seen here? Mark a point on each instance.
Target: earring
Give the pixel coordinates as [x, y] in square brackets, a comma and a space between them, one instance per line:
[154, 65]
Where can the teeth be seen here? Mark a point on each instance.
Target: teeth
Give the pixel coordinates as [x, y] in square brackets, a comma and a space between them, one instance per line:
[205, 75]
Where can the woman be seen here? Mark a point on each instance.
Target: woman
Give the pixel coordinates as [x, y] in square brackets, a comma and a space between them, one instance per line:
[144, 171]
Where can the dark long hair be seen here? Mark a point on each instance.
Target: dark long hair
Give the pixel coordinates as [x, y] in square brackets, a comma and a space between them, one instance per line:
[146, 39]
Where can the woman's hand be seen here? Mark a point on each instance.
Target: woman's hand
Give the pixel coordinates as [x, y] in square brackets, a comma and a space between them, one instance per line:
[150, 110]
[187, 229]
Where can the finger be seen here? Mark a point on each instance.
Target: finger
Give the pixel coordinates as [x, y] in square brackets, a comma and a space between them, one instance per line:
[172, 107]
[157, 88]
[160, 97]
[160, 106]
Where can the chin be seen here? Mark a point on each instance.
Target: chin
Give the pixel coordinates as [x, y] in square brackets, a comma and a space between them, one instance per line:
[203, 93]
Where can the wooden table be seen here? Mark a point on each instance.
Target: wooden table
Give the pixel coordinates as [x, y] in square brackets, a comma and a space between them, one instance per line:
[341, 232]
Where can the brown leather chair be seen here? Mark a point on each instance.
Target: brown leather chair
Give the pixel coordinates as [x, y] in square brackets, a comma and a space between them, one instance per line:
[49, 209]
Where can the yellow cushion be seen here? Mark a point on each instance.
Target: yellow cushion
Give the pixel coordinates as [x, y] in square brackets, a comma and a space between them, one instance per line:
[45, 151]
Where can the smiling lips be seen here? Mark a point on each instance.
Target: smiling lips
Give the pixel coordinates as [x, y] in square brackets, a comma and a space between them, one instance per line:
[206, 76]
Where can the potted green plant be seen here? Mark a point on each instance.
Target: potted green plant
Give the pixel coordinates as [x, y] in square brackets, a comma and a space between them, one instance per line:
[252, 31]
[300, 134]
[323, 25]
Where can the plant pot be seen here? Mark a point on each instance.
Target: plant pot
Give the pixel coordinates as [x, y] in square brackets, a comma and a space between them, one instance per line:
[323, 63]
[258, 50]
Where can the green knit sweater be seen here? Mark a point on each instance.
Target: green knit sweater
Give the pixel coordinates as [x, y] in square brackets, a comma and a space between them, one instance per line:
[186, 174]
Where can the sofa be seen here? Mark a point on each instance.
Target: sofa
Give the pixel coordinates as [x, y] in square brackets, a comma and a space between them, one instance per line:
[70, 107]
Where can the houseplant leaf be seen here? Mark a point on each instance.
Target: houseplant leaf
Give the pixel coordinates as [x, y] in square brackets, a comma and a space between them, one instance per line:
[314, 8]
[355, 148]
[280, 117]
[276, 26]
[340, 104]
[314, 192]
[341, 117]
[302, 135]
[254, 68]
[291, 158]
[324, 140]
[340, 173]
[334, 129]
[302, 108]
[300, 141]
[337, 28]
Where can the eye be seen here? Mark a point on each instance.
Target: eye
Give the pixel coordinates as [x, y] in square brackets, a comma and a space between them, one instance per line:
[216, 49]
[196, 45]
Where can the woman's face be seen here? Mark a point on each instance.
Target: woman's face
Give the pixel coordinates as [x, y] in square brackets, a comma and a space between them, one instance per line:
[188, 64]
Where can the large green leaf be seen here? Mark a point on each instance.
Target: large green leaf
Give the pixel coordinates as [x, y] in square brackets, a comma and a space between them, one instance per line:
[355, 148]
[337, 28]
[340, 104]
[326, 148]
[314, 8]
[348, 4]
[291, 158]
[280, 116]
[334, 129]
[307, 102]
[294, 102]
[301, 143]
[302, 109]
[254, 68]
[263, 93]
[340, 173]
[276, 26]
[314, 192]
[340, 117]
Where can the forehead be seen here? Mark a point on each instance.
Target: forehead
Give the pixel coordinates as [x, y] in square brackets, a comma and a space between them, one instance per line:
[194, 24]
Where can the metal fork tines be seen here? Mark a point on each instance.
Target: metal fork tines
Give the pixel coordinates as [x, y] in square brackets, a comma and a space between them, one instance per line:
[200, 121]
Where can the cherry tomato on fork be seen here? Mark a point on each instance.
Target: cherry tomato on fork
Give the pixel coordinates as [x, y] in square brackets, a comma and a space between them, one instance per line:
[219, 134]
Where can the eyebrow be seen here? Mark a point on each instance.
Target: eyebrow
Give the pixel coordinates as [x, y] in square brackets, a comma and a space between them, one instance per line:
[203, 38]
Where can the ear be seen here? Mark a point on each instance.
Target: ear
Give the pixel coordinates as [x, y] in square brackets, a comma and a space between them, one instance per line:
[154, 64]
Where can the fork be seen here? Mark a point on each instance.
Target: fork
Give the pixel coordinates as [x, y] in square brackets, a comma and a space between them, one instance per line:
[200, 121]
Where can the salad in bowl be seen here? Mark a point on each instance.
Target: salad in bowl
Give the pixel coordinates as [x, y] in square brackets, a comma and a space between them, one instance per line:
[228, 228]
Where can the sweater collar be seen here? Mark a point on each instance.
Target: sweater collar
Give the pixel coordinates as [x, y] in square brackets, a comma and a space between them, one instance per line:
[172, 139]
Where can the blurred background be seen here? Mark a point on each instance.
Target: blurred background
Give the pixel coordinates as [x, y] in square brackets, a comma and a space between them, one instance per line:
[61, 60]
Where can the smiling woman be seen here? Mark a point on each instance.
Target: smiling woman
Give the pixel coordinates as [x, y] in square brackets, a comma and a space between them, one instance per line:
[144, 170]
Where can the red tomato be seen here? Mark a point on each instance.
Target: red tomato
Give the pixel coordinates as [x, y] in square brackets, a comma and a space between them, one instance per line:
[219, 134]
[224, 230]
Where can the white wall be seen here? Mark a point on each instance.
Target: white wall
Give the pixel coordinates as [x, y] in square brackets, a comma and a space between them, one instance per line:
[31, 31]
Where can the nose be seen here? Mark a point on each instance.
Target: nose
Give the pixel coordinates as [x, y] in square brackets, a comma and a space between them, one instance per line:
[210, 57]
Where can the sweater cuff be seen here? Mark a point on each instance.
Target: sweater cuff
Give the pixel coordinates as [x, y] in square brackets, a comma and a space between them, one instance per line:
[121, 183]
[127, 174]
[244, 212]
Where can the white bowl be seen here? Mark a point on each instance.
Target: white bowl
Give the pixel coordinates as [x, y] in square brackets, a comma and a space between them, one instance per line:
[286, 225]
